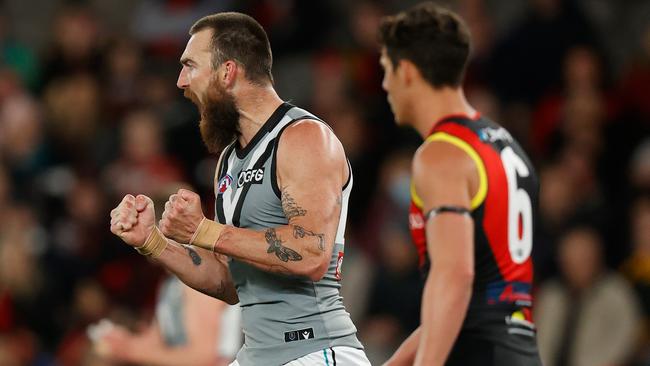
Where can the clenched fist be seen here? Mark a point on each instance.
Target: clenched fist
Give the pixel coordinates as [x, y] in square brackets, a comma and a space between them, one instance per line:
[182, 216]
[133, 219]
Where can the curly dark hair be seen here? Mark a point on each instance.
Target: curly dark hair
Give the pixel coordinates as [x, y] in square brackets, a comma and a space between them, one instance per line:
[434, 38]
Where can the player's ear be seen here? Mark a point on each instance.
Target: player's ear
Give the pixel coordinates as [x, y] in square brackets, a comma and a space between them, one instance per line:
[230, 70]
[407, 71]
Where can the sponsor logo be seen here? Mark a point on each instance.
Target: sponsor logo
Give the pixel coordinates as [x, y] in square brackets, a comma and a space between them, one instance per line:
[224, 183]
[252, 176]
[502, 292]
[339, 265]
[493, 134]
[519, 323]
[299, 335]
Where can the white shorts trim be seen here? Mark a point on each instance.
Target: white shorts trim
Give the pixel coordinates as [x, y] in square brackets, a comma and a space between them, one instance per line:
[339, 356]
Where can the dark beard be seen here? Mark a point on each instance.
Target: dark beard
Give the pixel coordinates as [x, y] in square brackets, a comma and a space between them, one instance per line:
[219, 119]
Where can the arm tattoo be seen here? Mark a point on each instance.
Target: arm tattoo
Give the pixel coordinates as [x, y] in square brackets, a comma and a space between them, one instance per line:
[290, 207]
[301, 232]
[275, 246]
[196, 258]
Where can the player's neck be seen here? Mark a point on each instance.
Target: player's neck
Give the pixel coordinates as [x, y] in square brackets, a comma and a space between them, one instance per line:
[435, 104]
[255, 105]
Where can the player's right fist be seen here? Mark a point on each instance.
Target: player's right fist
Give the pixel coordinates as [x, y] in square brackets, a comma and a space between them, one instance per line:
[133, 219]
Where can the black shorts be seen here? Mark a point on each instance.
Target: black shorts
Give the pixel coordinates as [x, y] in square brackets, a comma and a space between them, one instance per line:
[470, 351]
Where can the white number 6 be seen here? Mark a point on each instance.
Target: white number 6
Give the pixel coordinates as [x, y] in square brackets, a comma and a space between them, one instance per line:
[519, 205]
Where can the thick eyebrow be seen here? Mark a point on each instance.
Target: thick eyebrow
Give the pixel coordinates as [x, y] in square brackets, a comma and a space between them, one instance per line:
[187, 61]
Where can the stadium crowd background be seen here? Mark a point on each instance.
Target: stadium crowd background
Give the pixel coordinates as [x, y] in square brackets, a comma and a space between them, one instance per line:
[89, 111]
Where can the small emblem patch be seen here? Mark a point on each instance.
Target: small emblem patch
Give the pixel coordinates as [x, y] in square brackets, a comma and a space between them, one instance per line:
[299, 335]
[224, 183]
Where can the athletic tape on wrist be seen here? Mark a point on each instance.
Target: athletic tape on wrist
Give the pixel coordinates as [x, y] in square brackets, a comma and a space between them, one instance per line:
[206, 234]
[154, 245]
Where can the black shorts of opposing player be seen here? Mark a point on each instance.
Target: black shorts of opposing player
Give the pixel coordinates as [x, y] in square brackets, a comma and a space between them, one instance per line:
[471, 351]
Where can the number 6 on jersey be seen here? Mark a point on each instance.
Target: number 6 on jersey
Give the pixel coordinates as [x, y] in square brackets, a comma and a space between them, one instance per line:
[519, 208]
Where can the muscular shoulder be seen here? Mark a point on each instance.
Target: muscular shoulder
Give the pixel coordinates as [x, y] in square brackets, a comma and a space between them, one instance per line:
[310, 135]
[309, 139]
[309, 143]
[444, 174]
[440, 158]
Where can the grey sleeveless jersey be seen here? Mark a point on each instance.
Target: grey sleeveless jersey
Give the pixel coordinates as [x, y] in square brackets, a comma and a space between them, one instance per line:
[284, 317]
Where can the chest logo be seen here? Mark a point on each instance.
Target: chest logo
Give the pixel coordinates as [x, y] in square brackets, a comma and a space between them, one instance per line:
[252, 176]
[224, 183]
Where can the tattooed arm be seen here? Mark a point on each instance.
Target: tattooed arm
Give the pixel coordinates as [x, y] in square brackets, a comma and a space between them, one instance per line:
[311, 170]
[200, 269]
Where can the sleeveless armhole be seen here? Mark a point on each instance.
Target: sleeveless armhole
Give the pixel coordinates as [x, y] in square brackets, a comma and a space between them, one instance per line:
[347, 182]
[274, 159]
[218, 172]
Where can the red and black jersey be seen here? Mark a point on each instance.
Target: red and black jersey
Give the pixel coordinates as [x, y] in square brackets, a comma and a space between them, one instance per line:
[503, 211]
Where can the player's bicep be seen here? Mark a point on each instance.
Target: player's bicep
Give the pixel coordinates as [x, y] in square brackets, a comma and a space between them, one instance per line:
[310, 181]
[444, 178]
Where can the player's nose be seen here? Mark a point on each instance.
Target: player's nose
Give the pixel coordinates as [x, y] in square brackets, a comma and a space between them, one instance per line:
[183, 81]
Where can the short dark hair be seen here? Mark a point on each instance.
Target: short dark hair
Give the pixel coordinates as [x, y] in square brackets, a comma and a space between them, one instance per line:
[239, 37]
[434, 38]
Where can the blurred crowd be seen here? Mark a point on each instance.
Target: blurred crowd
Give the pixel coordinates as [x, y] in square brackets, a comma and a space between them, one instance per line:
[89, 111]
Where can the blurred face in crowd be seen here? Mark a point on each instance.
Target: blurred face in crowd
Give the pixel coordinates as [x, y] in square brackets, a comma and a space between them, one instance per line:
[142, 136]
[394, 85]
[203, 84]
[580, 257]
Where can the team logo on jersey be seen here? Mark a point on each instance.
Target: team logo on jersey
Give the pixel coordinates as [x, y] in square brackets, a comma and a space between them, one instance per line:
[224, 183]
[493, 134]
[252, 176]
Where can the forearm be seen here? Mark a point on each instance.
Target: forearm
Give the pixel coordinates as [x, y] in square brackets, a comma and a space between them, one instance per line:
[200, 269]
[182, 355]
[405, 354]
[288, 249]
[444, 306]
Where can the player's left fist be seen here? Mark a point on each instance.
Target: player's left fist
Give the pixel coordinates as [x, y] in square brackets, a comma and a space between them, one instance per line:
[182, 216]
